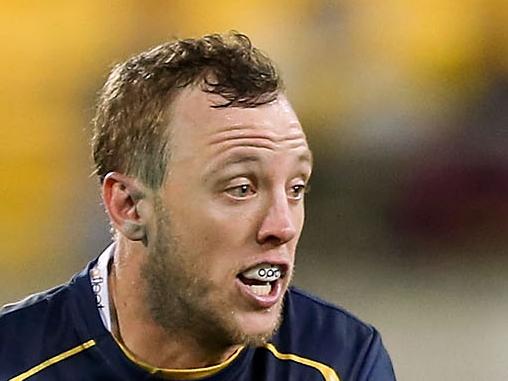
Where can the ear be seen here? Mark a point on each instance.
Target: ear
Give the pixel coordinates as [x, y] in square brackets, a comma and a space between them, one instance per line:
[125, 198]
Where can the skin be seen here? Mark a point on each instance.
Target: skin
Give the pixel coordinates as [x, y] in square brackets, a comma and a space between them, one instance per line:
[233, 198]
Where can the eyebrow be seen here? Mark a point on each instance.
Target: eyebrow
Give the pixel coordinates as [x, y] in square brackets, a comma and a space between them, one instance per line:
[307, 156]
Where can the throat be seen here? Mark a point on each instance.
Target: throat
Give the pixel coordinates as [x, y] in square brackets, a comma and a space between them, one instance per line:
[176, 363]
[152, 348]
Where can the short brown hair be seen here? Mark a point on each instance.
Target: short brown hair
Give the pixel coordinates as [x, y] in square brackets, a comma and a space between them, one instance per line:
[130, 134]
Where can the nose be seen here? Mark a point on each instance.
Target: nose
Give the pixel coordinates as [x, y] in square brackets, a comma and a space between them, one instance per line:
[278, 223]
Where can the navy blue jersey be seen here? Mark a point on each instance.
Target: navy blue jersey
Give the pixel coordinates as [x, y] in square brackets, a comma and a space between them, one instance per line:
[59, 335]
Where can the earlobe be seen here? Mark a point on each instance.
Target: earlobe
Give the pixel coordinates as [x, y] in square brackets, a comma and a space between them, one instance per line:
[134, 231]
[122, 197]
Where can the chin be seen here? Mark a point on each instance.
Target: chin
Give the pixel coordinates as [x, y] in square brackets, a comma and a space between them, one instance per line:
[258, 327]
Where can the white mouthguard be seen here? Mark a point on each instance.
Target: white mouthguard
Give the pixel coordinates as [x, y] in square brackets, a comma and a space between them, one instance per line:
[263, 272]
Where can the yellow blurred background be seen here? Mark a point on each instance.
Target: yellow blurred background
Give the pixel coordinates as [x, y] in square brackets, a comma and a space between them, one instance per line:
[406, 108]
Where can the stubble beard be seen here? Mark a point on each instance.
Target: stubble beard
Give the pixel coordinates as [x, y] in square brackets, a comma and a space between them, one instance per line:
[180, 297]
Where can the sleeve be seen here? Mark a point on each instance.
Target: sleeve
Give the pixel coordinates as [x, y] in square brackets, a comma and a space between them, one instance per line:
[377, 365]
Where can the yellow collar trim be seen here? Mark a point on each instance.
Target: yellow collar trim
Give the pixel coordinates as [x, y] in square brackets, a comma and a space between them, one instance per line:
[328, 373]
[180, 374]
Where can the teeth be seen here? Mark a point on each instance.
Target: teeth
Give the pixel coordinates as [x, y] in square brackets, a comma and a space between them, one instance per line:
[263, 272]
[261, 290]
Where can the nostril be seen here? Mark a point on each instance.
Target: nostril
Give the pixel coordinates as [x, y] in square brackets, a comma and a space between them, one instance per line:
[277, 238]
[271, 239]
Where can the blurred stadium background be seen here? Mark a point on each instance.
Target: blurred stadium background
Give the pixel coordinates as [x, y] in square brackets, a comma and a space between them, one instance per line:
[406, 108]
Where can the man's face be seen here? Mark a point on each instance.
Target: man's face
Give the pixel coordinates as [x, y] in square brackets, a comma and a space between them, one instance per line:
[228, 218]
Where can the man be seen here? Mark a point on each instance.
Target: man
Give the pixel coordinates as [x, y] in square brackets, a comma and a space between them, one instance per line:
[203, 166]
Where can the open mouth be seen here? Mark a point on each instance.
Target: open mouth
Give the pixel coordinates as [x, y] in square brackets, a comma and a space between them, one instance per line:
[262, 279]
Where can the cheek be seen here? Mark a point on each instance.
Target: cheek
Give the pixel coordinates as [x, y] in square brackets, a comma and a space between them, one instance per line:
[222, 222]
[299, 217]
[221, 240]
[211, 231]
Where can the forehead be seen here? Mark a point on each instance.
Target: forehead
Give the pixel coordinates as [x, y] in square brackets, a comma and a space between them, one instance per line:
[195, 124]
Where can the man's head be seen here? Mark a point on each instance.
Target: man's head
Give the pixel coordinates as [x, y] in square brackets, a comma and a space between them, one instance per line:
[221, 217]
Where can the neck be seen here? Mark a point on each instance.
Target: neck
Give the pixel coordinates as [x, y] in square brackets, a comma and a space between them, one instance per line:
[134, 327]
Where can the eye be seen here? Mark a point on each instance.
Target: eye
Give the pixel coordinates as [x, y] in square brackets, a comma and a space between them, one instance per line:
[241, 191]
[296, 192]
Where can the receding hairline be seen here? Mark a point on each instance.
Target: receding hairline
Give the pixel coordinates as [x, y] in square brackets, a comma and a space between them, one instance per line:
[134, 109]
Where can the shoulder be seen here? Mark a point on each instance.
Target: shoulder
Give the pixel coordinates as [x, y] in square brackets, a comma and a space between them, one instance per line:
[315, 314]
[29, 327]
[28, 322]
[44, 325]
[48, 310]
[28, 312]
[321, 331]
[35, 300]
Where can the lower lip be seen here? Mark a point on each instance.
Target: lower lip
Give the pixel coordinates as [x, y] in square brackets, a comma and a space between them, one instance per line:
[259, 301]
